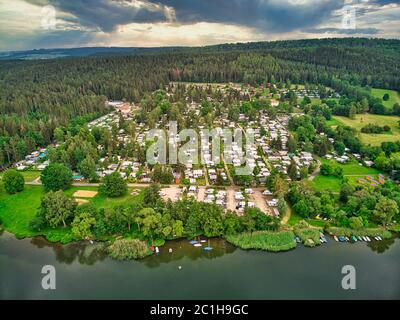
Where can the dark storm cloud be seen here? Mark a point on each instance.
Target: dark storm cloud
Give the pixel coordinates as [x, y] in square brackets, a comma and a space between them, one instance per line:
[266, 15]
[107, 14]
[273, 16]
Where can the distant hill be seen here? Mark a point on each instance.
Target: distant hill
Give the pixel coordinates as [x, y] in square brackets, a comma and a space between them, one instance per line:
[37, 54]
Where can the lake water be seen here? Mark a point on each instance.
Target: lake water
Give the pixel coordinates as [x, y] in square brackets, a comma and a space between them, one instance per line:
[83, 271]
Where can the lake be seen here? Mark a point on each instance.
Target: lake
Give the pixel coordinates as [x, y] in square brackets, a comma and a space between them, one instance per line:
[83, 271]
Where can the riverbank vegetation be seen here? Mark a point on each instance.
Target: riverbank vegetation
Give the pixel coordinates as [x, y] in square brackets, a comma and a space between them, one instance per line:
[309, 235]
[370, 232]
[264, 240]
[127, 249]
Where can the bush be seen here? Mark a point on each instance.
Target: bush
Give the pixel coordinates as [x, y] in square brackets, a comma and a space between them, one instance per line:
[113, 185]
[55, 177]
[372, 128]
[127, 249]
[310, 236]
[13, 181]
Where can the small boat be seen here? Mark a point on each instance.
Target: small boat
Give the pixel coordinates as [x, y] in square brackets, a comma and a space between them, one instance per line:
[297, 239]
[197, 245]
[365, 238]
[157, 250]
[359, 238]
[368, 239]
[347, 239]
[203, 240]
[354, 238]
[91, 241]
[193, 242]
[170, 250]
[336, 238]
[379, 238]
[208, 248]
[376, 238]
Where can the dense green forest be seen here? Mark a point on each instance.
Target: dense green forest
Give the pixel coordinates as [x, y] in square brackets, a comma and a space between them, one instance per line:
[40, 95]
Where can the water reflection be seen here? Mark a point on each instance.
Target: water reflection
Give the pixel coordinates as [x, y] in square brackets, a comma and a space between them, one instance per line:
[88, 254]
[183, 249]
[382, 246]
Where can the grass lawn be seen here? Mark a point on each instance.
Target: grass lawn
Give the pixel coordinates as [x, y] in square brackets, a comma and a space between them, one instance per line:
[295, 218]
[362, 120]
[352, 171]
[17, 210]
[352, 168]
[393, 96]
[333, 122]
[29, 175]
[326, 183]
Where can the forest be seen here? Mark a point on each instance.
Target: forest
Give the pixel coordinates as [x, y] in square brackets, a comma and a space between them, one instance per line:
[38, 96]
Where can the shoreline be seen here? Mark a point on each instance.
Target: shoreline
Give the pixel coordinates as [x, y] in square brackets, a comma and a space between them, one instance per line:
[229, 239]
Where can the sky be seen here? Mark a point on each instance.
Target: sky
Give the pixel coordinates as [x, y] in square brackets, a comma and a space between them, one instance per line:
[34, 24]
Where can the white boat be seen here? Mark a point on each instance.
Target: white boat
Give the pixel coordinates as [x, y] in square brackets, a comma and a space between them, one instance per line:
[365, 238]
[379, 238]
[336, 238]
[197, 245]
[376, 238]
[157, 250]
[368, 239]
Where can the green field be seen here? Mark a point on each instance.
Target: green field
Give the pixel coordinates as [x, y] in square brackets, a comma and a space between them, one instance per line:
[29, 175]
[352, 171]
[393, 96]
[16, 211]
[362, 120]
[326, 183]
[295, 219]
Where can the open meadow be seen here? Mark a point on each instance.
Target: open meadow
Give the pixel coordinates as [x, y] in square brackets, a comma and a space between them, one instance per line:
[17, 210]
[361, 120]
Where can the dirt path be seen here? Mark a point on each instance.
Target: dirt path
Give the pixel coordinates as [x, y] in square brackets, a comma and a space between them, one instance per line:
[260, 202]
[230, 199]
[286, 217]
[227, 171]
[316, 171]
[171, 193]
[201, 194]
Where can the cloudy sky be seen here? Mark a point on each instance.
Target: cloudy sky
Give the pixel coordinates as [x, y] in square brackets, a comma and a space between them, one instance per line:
[29, 24]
